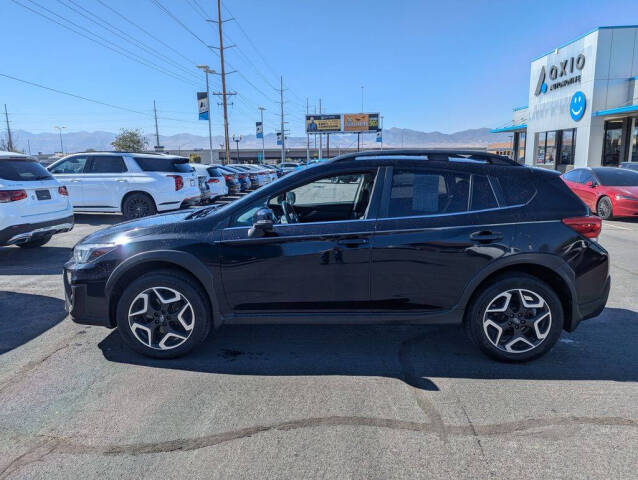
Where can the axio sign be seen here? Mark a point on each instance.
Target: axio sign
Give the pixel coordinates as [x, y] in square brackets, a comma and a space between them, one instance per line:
[565, 68]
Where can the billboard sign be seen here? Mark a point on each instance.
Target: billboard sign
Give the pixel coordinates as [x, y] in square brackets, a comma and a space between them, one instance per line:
[323, 123]
[360, 122]
[202, 105]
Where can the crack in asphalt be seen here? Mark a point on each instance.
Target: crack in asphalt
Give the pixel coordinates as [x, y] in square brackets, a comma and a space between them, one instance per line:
[20, 375]
[49, 444]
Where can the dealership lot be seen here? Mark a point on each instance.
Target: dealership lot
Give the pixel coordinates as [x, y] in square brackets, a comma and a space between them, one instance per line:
[309, 401]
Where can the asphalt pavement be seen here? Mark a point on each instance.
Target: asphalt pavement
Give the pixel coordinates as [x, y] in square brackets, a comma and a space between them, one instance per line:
[345, 402]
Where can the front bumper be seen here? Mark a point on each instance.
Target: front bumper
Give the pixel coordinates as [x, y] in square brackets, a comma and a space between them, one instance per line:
[26, 232]
[83, 307]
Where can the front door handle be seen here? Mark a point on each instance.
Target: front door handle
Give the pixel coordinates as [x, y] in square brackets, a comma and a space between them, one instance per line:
[486, 236]
[121, 180]
[353, 242]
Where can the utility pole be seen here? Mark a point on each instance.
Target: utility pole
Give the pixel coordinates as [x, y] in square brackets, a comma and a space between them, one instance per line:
[9, 139]
[210, 129]
[320, 137]
[223, 94]
[263, 140]
[157, 143]
[59, 129]
[361, 98]
[283, 133]
[29, 146]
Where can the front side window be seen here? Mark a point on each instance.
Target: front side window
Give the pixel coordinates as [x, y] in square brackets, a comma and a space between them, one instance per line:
[71, 165]
[328, 199]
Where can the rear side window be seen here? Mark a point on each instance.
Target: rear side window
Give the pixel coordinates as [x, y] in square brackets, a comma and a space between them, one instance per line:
[23, 170]
[159, 164]
[573, 176]
[482, 194]
[215, 172]
[106, 164]
[417, 193]
[515, 189]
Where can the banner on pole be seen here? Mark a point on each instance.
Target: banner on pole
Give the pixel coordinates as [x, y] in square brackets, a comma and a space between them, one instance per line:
[259, 127]
[278, 138]
[379, 137]
[202, 105]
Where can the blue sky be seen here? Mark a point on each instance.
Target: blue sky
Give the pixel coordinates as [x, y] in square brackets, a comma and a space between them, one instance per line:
[425, 65]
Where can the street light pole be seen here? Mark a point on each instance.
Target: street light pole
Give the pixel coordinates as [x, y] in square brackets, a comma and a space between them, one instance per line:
[263, 145]
[237, 139]
[59, 129]
[210, 130]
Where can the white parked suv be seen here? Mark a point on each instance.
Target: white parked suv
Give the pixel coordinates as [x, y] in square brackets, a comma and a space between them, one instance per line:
[134, 184]
[215, 185]
[33, 205]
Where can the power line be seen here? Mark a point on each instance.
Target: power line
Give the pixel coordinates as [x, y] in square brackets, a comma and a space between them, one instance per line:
[102, 41]
[87, 99]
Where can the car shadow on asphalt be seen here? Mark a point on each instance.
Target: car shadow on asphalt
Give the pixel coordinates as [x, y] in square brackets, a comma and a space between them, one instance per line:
[33, 261]
[415, 354]
[26, 316]
[98, 220]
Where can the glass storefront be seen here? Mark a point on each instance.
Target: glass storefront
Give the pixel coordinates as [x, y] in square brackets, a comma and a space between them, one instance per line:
[634, 142]
[555, 148]
[519, 147]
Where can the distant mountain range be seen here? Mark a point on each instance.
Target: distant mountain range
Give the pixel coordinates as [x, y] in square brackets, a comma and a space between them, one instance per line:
[47, 143]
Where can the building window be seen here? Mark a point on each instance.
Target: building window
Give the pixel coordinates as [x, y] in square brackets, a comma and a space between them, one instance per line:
[539, 154]
[634, 142]
[555, 148]
[520, 156]
[566, 148]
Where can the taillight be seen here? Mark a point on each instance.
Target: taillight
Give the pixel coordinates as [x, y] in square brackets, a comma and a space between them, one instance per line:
[7, 196]
[588, 227]
[179, 181]
[242, 175]
[213, 180]
[63, 191]
[228, 177]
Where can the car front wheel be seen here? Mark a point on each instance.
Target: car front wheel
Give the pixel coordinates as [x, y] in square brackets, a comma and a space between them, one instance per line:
[163, 314]
[517, 318]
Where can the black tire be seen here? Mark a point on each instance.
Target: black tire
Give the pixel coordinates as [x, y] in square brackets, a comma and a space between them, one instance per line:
[138, 205]
[550, 328]
[188, 289]
[36, 243]
[604, 208]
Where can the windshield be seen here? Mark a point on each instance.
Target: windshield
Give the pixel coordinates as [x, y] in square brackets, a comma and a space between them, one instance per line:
[617, 177]
[23, 170]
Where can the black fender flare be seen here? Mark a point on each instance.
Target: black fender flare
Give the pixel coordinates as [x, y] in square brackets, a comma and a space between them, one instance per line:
[552, 262]
[180, 259]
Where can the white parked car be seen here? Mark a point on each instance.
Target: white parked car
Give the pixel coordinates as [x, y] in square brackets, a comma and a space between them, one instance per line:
[288, 167]
[34, 206]
[214, 181]
[134, 184]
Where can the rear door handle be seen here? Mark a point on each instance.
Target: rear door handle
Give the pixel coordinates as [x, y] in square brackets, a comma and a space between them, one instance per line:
[353, 242]
[486, 236]
[121, 180]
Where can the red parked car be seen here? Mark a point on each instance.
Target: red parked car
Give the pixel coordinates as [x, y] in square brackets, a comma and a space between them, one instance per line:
[608, 191]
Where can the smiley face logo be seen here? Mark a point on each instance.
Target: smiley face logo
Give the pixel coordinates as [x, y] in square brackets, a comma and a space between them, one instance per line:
[577, 106]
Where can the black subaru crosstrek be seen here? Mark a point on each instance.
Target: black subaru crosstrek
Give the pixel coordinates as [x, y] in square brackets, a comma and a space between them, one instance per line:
[394, 237]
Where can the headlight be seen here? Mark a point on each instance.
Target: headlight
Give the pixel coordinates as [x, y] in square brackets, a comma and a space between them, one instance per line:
[90, 251]
[626, 197]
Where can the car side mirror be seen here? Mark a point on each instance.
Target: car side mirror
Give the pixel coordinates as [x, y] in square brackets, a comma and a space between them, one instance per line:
[591, 184]
[263, 222]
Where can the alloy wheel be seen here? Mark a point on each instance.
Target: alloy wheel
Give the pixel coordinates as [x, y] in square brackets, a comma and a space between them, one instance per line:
[517, 320]
[138, 208]
[161, 318]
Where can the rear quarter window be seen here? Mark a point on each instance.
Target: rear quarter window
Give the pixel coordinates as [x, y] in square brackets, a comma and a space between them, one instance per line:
[515, 189]
[169, 165]
[19, 170]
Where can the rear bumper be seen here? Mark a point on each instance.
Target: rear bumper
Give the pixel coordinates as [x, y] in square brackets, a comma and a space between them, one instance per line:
[26, 232]
[595, 307]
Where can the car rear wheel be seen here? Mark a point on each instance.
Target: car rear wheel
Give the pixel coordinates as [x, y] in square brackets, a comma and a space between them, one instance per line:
[36, 242]
[516, 318]
[138, 205]
[163, 314]
[604, 208]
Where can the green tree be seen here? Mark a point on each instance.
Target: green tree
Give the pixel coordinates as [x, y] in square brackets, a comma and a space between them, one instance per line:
[130, 141]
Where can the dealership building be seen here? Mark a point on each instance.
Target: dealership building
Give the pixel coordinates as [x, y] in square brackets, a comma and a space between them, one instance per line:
[583, 103]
